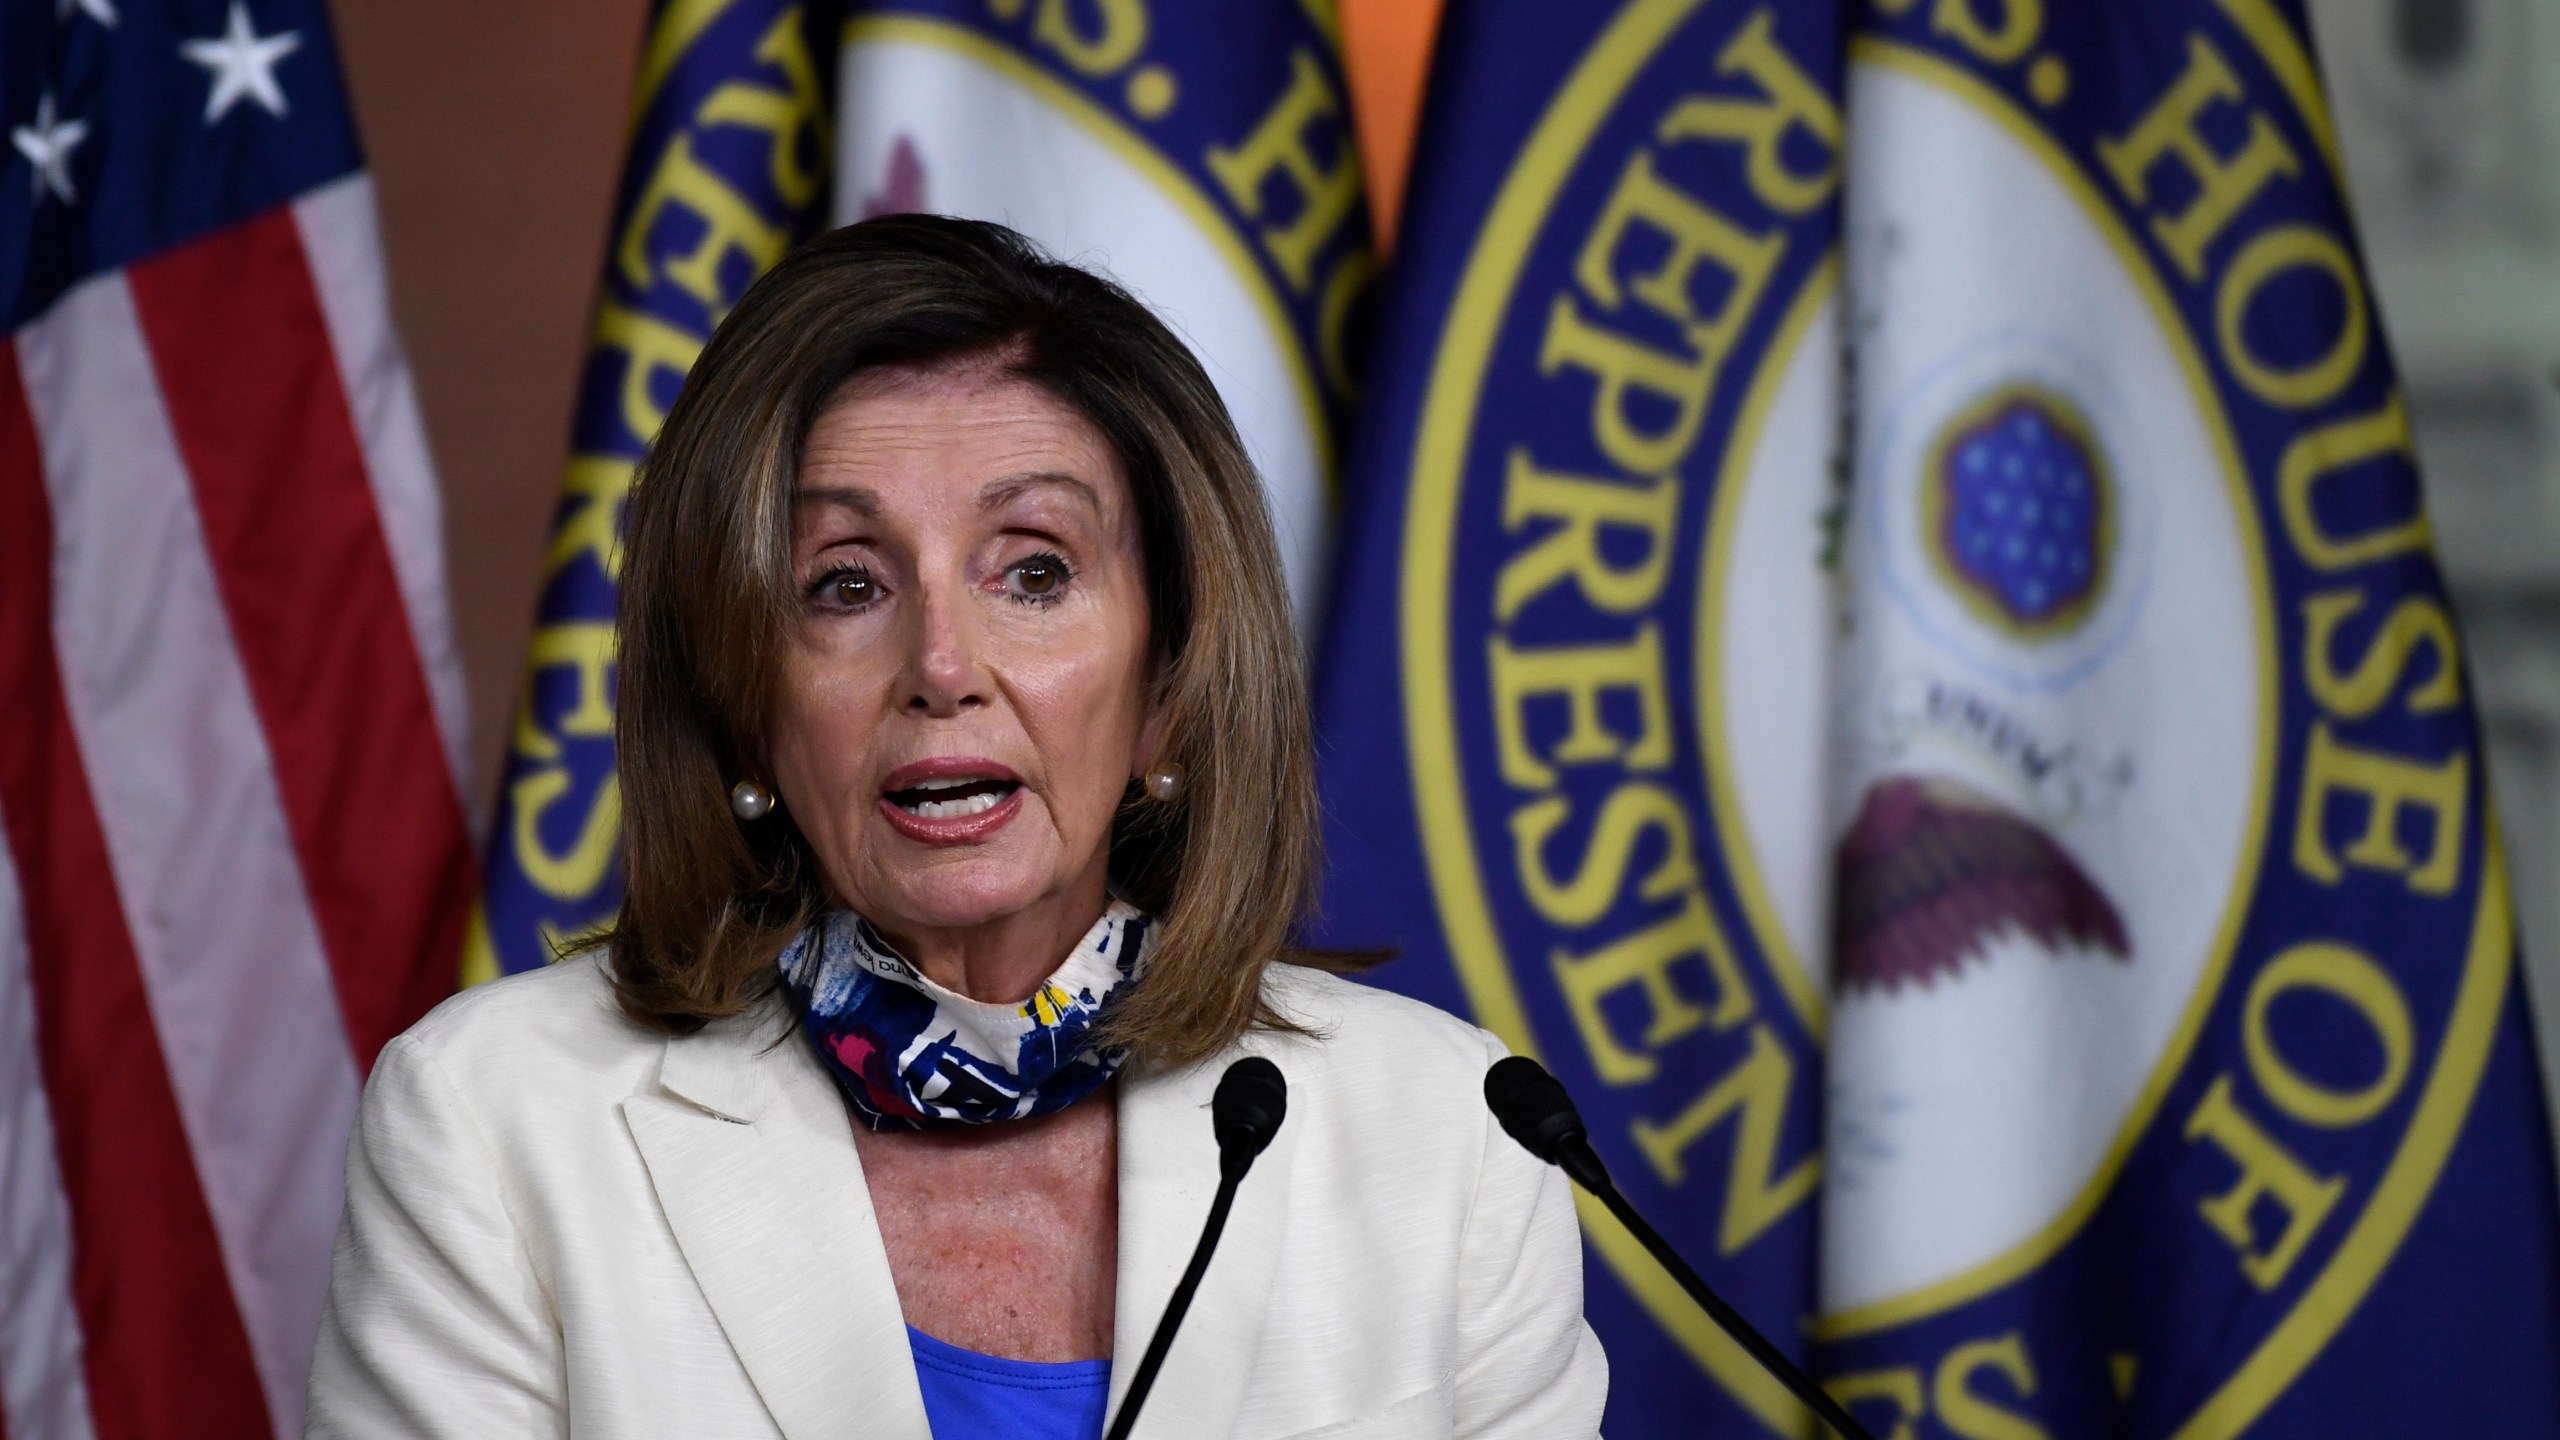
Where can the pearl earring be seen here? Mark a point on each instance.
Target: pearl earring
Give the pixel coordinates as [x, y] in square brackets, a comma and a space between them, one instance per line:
[750, 801]
[1164, 783]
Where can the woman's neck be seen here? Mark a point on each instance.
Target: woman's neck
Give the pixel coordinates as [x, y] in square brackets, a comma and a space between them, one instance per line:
[1004, 959]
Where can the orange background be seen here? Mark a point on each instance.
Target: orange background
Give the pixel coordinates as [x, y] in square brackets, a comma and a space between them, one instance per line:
[495, 130]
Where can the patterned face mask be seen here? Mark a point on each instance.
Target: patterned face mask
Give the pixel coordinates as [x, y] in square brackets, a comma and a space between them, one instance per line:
[911, 1055]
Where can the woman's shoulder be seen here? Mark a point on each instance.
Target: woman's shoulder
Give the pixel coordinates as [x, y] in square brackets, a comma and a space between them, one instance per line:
[538, 1026]
[1338, 1005]
[1355, 1030]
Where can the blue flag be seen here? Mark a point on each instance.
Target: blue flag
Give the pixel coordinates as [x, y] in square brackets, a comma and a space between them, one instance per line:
[1886, 631]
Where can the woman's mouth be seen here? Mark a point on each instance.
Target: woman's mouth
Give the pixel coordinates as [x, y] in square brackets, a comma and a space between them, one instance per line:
[950, 800]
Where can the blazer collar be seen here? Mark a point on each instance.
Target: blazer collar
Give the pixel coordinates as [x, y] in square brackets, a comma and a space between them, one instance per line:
[751, 1153]
[1168, 1174]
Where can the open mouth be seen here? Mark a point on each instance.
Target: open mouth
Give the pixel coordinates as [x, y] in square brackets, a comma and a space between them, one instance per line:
[952, 797]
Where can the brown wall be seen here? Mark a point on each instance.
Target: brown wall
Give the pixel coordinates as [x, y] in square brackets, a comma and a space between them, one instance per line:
[495, 129]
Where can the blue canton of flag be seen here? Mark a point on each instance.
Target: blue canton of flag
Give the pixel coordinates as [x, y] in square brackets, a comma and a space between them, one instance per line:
[115, 147]
[1897, 554]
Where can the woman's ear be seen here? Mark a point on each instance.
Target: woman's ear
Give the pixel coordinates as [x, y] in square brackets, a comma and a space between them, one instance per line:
[1150, 747]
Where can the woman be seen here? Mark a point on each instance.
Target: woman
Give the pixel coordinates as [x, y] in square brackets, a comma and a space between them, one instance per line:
[967, 806]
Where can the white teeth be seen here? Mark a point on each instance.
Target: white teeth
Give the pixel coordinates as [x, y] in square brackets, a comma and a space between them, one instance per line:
[951, 784]
[952, 809]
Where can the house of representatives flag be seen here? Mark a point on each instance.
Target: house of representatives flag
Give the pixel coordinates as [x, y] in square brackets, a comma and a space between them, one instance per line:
[230, 713]
[1886, 630]
[1201, 155]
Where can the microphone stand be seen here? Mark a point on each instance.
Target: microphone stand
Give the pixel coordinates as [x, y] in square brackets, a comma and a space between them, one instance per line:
[1251, 1100]
[1771, 1358]
[1533, 1106]
[1178, 1306]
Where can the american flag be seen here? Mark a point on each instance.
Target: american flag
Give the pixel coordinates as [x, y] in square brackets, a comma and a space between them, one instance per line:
[230, 713]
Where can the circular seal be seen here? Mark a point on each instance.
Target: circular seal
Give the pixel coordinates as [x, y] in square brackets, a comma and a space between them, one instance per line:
[1948, 772]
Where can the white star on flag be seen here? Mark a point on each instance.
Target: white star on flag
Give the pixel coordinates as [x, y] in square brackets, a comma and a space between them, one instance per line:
[47, 146]
[102, 11]
[243, 64]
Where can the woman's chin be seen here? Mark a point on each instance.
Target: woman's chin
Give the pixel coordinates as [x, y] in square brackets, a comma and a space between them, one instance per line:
[956, 890]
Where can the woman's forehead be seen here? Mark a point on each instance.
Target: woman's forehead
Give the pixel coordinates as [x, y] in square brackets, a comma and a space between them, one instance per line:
[976, 434]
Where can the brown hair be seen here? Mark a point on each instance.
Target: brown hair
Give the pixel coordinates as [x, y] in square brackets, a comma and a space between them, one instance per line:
[707, 602]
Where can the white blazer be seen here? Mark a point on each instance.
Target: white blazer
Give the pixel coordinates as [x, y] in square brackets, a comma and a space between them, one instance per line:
[560, 1221]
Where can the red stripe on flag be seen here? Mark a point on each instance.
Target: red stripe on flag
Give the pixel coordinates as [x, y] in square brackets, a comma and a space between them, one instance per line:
[167, 1353]
[241, 346]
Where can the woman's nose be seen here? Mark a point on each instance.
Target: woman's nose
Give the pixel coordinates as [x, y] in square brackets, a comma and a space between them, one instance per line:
[943, 676]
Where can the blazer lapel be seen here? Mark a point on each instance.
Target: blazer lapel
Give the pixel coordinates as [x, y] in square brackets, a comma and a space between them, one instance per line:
[752, 1157]
[1168, 1175]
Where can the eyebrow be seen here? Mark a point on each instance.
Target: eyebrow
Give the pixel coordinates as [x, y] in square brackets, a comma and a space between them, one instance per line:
[862, 502]
[999, 493]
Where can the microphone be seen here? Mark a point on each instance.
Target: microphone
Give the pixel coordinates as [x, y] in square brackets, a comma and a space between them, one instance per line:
[1534, 1108]
[1251, 1100]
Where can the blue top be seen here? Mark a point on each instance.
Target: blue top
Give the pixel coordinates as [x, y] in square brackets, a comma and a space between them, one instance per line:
[969, 1396]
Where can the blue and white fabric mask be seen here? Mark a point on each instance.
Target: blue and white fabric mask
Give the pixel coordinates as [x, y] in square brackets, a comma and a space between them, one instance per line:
[911, 1055]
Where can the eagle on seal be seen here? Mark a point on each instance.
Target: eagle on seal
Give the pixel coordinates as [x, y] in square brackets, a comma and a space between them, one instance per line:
[1932, 870]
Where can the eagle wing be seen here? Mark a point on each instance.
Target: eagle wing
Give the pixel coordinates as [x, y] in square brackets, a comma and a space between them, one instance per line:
[1931, 871]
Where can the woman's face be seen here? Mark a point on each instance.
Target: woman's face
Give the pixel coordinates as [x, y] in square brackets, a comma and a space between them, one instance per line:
[965, 696]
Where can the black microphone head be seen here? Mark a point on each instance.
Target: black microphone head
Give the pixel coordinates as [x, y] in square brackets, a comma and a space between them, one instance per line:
[1532, 1105]
[1251, 1100]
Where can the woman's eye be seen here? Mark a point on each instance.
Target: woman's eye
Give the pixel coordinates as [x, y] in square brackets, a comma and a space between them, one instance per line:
[1037, 578]
[845, 589]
